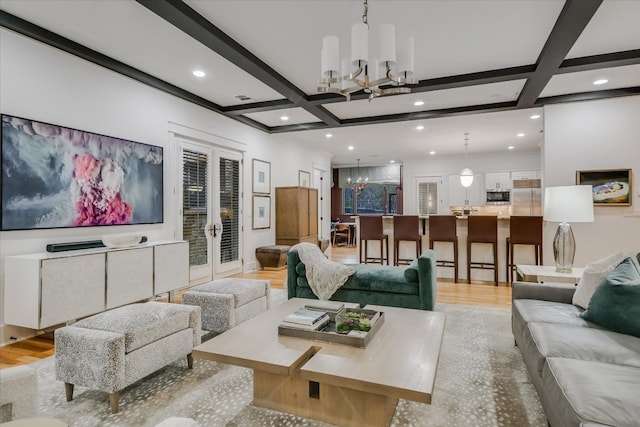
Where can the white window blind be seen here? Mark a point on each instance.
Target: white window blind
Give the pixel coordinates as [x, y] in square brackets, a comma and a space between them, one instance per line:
[428, 198]
[194, 205]
[230, 209]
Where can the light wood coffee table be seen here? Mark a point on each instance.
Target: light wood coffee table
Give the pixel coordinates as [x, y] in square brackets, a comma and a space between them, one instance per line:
[334, 383]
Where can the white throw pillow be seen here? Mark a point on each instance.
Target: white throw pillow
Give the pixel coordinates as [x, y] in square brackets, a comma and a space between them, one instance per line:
[635, 257]
[593, 275]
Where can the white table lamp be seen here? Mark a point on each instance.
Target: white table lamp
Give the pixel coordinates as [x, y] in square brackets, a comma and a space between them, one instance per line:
[571, 203]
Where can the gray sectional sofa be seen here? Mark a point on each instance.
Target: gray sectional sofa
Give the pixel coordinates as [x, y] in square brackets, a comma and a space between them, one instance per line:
[585, 375]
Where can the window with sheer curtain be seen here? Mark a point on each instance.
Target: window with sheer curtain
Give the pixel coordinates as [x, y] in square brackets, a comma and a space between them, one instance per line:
[375, 199]
[378, 197]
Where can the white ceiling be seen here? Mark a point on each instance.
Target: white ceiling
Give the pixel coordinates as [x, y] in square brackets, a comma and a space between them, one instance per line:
[452, 38]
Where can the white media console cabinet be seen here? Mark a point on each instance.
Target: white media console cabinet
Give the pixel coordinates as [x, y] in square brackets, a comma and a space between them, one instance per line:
[47, 289]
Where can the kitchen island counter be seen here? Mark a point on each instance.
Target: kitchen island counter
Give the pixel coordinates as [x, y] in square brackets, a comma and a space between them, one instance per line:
[482, 252]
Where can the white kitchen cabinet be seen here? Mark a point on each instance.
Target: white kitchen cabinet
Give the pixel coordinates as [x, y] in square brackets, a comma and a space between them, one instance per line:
[497, 181]
[458, 194]
[531, 174]
[47, 289]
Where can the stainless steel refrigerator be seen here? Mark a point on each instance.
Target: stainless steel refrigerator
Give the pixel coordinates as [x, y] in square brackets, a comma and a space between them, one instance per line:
[526, 197]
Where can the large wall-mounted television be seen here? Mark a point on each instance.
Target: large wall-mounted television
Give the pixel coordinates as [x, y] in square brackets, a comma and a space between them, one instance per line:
[58, 177]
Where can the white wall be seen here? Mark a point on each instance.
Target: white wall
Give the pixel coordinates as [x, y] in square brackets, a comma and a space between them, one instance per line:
[430, 166]
[45, 84]
[594, 135]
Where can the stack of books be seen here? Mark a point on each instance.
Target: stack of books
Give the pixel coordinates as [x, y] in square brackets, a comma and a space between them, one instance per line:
[332, 308]
[303, 318]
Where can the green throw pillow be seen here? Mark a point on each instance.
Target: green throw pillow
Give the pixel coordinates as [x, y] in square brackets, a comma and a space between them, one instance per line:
[411, 274]
[616, 302]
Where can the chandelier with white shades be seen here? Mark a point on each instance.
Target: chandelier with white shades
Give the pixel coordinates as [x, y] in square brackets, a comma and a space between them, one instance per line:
[345, 77]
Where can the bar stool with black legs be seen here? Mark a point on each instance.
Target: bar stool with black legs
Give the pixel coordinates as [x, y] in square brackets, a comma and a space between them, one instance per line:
[523, 230]
[443, 228]
[406, 228]
[371, 229]
[482, 229]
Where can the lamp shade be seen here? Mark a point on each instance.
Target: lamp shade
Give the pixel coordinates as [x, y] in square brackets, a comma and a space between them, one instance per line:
[571, 203]
[466, 177]
[359, 44]
[330, 56]
[405, 58]
[387, 44]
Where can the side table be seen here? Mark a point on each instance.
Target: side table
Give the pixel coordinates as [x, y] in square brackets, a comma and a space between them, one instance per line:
[546, 273]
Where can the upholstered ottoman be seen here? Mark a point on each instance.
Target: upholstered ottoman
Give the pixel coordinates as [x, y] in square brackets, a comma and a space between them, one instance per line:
[272, 257]
[116, 348]
[226, 303]
[18, 393]
[323, 243]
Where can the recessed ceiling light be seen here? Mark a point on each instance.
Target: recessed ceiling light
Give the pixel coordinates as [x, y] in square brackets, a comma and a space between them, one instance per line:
[535, 116]
[329, 135]
[601, 82]
[520, 135]
[432, 152]
[418, 103]
[511, 147]
[419, 127]
[199, 73]
[284, 118]
[351, 147]
[392, 161]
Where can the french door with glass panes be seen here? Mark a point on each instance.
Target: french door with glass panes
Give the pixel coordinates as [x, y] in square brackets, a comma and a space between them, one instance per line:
[211, 210]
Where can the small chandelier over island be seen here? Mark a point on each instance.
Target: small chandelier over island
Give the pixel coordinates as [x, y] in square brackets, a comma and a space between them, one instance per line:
[362, 73]
[359, 184]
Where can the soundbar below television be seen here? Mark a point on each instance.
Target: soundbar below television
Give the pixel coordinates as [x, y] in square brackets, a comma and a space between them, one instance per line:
[58, 177]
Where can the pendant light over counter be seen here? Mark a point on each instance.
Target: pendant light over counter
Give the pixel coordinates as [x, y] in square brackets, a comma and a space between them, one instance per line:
[466, 174]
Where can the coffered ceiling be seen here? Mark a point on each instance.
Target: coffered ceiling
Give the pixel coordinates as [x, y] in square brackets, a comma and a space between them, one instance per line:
[484, 67]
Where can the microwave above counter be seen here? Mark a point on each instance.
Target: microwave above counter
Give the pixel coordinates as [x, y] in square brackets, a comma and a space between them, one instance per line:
[498, 197]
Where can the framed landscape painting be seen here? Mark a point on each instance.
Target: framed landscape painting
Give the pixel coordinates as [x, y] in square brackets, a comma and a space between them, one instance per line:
[611, 187]
[58, 177]
[261, 212]
[261, 177]
[304, 178]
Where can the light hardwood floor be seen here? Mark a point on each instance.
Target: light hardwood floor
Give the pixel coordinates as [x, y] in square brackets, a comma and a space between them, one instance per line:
[478, 294]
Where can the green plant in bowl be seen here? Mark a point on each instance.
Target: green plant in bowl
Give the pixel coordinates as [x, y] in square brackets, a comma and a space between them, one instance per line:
[352, 321]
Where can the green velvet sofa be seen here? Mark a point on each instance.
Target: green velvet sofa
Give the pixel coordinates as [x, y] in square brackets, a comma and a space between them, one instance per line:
[413, 286]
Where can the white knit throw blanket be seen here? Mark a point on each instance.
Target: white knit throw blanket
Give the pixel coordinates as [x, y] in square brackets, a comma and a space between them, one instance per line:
[324, 276]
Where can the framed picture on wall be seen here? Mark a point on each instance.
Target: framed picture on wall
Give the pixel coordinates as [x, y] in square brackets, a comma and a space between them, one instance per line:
[304, 179]
[261, 177]
[611, 187]
[261, 212]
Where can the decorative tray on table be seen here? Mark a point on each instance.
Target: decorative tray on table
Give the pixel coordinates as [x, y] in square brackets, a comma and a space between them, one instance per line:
[355, 327]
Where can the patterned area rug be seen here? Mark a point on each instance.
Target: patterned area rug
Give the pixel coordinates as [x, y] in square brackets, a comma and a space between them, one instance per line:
[481, 381]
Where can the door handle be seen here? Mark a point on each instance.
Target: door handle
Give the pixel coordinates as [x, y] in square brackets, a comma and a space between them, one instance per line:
[217, 228]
